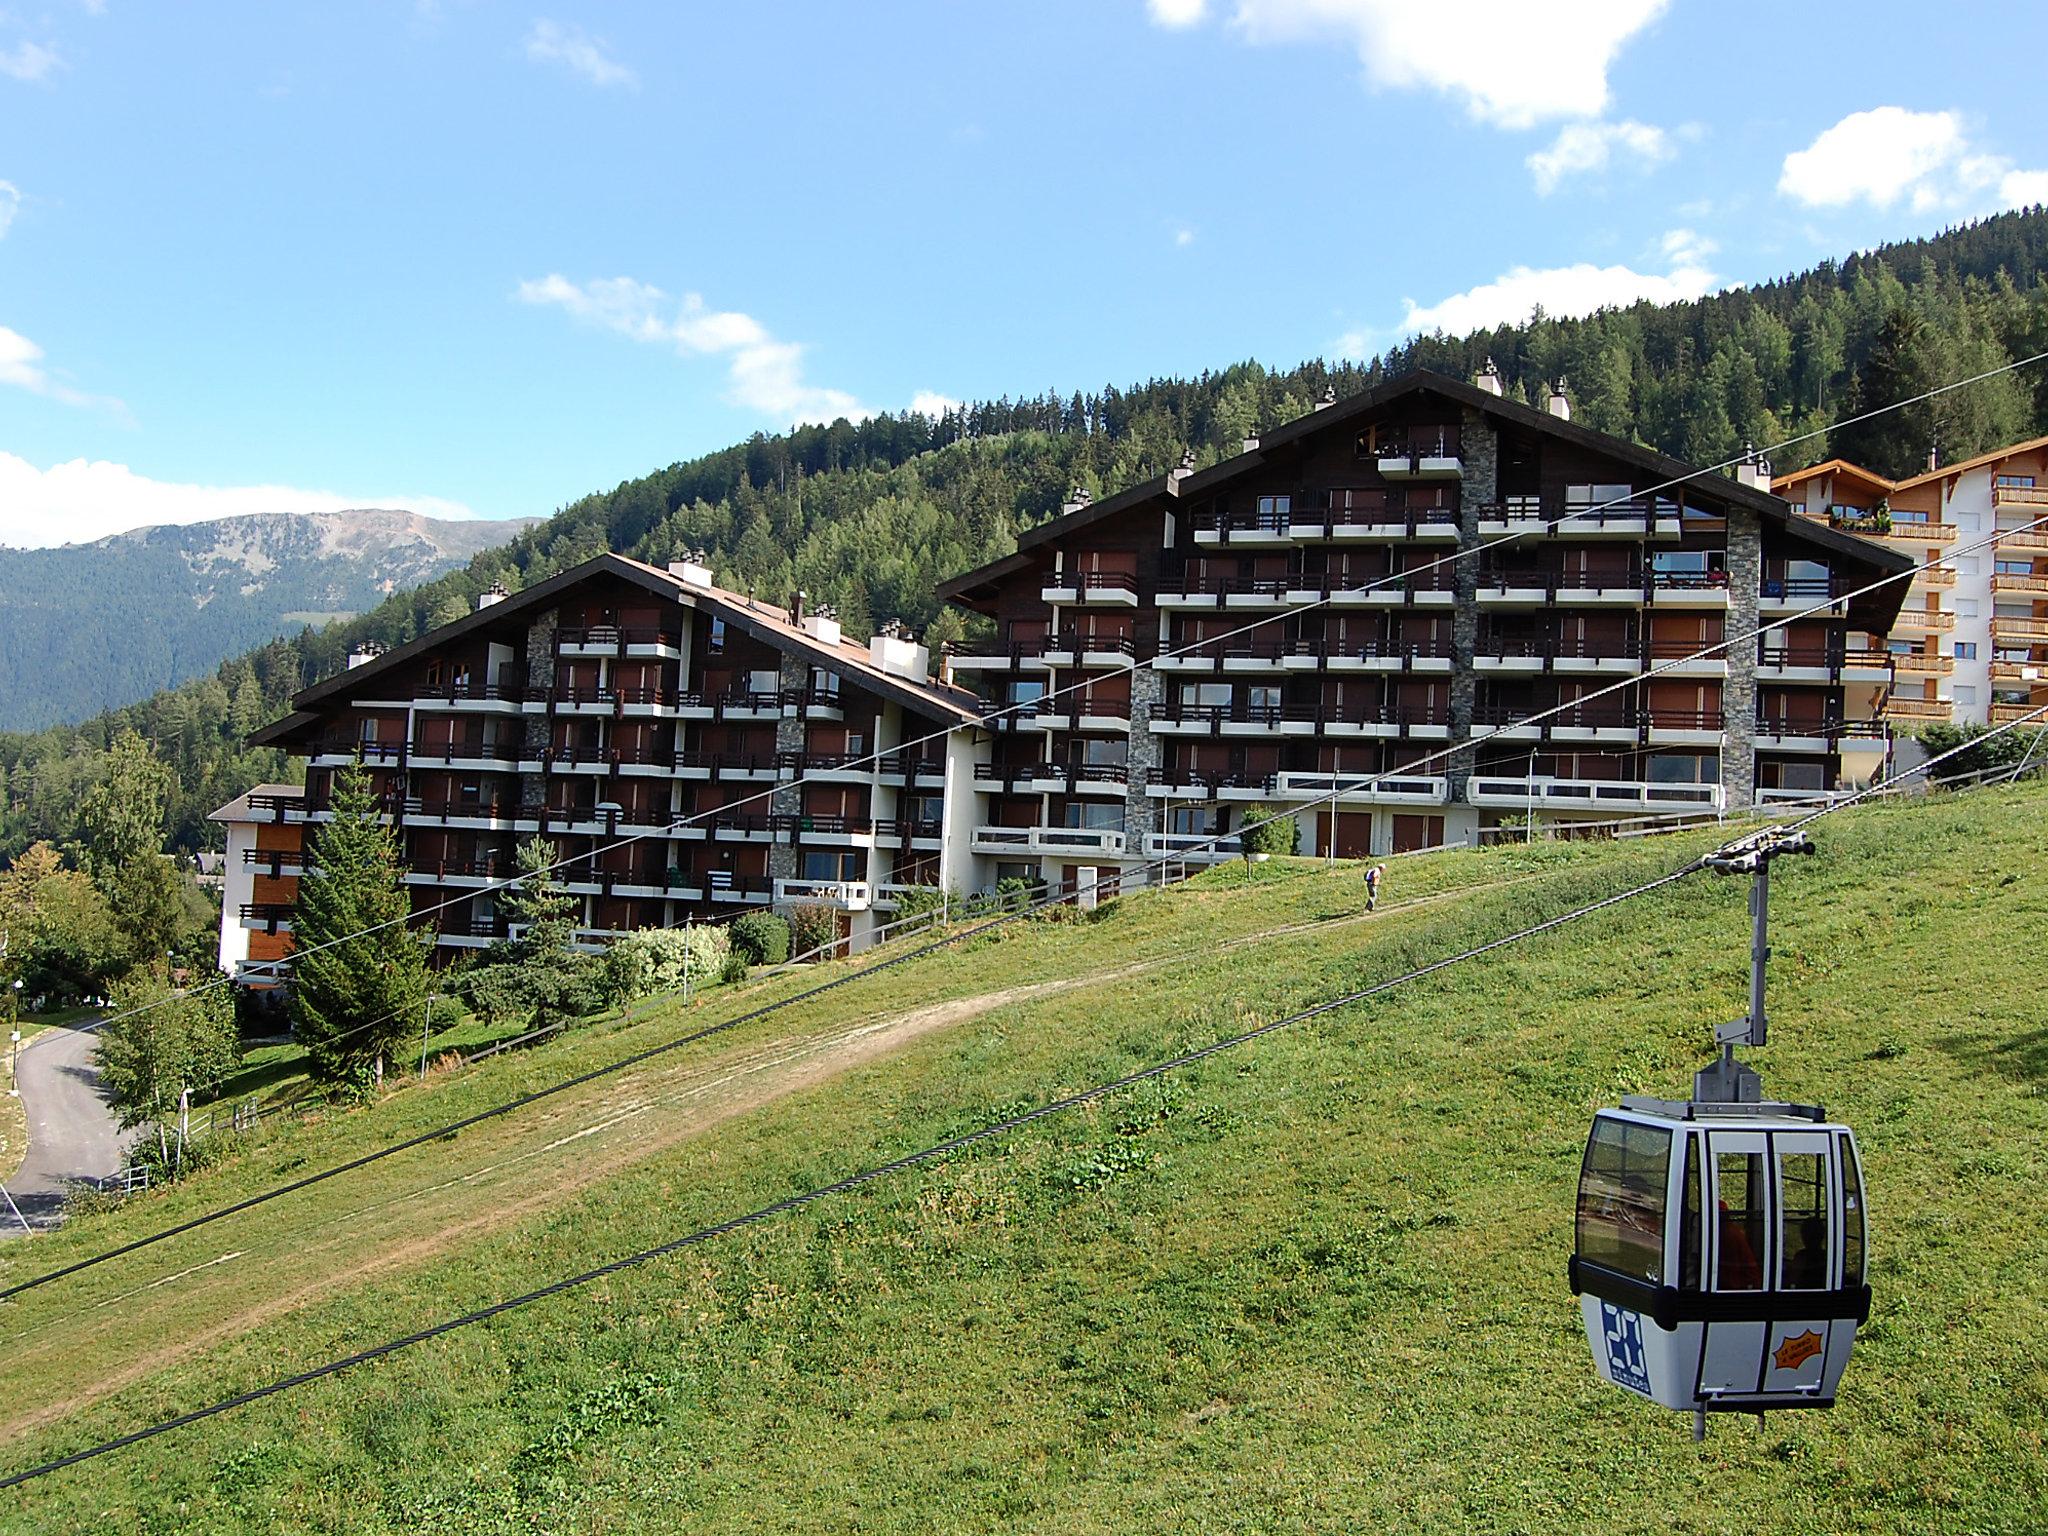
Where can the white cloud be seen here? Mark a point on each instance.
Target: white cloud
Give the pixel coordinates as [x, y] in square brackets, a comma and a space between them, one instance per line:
[82, 500]
[1588, 148]
[1184, 236]
[552, 43]
[1575, 290]
[764, 374]
[1885, 154]
[29, 61]
[1511, 63]
[10, 204]
[929, 402]
[21, 365]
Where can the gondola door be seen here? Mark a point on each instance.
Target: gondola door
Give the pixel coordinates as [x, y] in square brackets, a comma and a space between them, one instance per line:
[1732, 1354]
[1804, 1189]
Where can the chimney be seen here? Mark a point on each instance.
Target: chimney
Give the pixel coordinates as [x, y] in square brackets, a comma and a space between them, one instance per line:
[1754, 471]
[491, 597]
[796, 609]
[895, 652]
[1560, 403]
[1251, 444]
[822, 625]
[364, 653]
[1488, 379]
[1328, 399]
[1174, 478]
[1077, 498]
[1933, 457]
[694, 569]
[946, 665]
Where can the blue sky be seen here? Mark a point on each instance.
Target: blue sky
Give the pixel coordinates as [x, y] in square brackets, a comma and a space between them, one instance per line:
[479, 259]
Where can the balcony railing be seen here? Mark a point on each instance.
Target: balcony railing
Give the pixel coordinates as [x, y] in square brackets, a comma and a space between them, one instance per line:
[509, 691]
[1925, 619]
[1829, 658]
[2019, 496]
[1905, 707]
[595, 636]
[2014, 581]
[1830, 727]
[467, 751]
[1370, 650]
[272, 914]
[2009, 713]
[2023, 538]
[1920, 664]
[2012, 627]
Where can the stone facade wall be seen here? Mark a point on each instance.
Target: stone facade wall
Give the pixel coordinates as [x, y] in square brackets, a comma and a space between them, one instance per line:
[791, 672]
[1480, 449]
[1738, 694]
[1141, 811]
[540, 673]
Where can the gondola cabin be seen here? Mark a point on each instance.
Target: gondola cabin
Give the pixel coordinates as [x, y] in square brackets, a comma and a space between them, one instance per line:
[1719, 1257]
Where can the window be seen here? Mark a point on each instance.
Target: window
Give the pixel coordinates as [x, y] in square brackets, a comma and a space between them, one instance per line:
[1274, 510]
[765, 680]
[1805, 571]
[1803, 1204]
[1263, 696]
[1852, 1217]
[718, 637]
[1597, 495]
[1094, 815]
[1965, 694]
[856, 744]
[829, 865]
[1685, 767]
[1966, 607]
[1966, 650]
[2014, 482]
[1804, 776]
[1106, 751]
[1968, 565]
[1738, 1259]
[1621, 1199]
[2013, 567]
[1194, 821]
[1024, 690]
[1205, 693]
[1690, 1225]
[823, 681]
[1903, 515]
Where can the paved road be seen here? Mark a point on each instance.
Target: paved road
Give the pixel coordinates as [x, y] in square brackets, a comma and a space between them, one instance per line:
[71, 1131]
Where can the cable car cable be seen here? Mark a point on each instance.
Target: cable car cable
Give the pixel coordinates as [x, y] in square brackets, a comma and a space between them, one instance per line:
[1135, 666]
[910, 1160]
[1343, 788]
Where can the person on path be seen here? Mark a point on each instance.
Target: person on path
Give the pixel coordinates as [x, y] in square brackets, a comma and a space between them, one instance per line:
[1372, 885]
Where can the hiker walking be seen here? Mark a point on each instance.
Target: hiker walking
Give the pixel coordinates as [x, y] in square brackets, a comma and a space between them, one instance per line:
[1372, 885]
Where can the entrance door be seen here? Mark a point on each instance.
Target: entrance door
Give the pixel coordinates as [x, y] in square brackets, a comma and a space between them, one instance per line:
[1731, 1359]
[1809, 1245]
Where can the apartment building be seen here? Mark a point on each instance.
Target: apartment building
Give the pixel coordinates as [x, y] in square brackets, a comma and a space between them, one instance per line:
[259, 881]
[652, 721]
[1416, 682]
[1971, 643]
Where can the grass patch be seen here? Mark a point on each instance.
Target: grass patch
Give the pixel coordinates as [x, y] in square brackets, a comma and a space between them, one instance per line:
[1313, 1284]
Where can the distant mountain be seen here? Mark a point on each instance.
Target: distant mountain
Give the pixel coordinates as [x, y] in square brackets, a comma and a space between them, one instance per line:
[89, 627]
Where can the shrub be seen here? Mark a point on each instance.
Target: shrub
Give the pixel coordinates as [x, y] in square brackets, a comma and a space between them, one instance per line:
[1280, 832]
[918, 900]
[735, 968]
[658, 959]
[761, 938]
[811, 926]
[1014, 894]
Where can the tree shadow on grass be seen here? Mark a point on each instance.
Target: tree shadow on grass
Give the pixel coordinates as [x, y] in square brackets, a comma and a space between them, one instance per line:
[2020, 1058]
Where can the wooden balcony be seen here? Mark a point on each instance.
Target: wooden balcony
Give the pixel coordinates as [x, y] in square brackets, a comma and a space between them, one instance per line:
[2009, 630]
[2018, 672]
[1902, 707]
[2008, 714]
[1936, 576]
[2023, 538]
[1922, 621]
[2014, 582]
[1921, 664]
[2020, 496]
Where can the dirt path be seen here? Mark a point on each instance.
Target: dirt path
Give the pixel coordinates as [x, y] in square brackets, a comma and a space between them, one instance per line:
[658, 1110]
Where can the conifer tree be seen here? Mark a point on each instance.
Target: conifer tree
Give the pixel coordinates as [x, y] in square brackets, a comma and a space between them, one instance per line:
[361, 982]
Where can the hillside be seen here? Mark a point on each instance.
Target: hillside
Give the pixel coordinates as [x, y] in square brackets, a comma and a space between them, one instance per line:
[870, 515]
[190, 596]
[1315, 1283]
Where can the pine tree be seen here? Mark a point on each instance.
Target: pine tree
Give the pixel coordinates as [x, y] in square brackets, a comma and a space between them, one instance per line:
[546, 972]
[123, 820]
[361, 980]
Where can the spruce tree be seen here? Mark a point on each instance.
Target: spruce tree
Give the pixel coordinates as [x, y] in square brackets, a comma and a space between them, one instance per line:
[360, 982]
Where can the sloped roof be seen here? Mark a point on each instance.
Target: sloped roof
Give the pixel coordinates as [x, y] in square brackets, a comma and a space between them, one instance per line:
[1982, 459]
[847, 659]
[1417, 382]
[238, 809]
[1834, 467]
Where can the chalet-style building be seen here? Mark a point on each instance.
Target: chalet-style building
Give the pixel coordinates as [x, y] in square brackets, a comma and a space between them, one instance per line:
[1971, 643]
[259, 881]
[617, 699]
[1378, 682]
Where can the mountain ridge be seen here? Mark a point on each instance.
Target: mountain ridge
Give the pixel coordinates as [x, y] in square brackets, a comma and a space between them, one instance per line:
[198, 593]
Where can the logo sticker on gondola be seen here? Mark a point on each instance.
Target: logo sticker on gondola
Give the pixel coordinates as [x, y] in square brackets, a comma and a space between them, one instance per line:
[1797, 1349]
[1625, 1362]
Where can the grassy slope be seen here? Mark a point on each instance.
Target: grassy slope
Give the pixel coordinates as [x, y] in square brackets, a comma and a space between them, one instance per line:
[1313, 1284]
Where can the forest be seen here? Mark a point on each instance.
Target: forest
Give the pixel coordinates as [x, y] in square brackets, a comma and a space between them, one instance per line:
[871, 515]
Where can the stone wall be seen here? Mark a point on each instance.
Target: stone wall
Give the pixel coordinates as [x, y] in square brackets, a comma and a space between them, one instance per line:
[1480, 450]
[788, 800]
[1738, 694]
[540, 673]
[1141, 811]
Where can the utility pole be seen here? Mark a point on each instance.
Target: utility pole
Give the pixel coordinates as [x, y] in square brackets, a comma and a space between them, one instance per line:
[1729, 1081]
[426, 1025]
[688, 953]
[184, 1128]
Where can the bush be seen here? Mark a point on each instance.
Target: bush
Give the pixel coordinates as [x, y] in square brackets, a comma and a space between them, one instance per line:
[735, 968]
[811, 926]
[658, 959]
[1281, 833]
[760, 938]
[919, 900]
